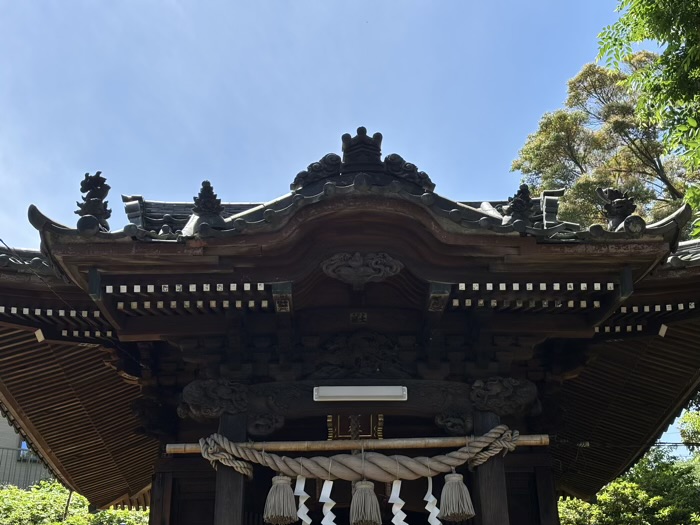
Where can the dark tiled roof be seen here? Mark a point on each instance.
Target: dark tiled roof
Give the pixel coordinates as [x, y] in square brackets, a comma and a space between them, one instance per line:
[152, 215]
[687, 254]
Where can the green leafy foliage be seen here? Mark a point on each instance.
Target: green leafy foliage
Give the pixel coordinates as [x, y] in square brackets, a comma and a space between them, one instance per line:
[692, 197]
[45, 504]
[598, 140]
[658, 490]
[669, 85]
[689, 426]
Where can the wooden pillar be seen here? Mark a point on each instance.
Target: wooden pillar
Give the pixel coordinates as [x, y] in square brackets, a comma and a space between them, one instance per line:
[161, 499]
[490, 479]
[546, 496]
[229, 499]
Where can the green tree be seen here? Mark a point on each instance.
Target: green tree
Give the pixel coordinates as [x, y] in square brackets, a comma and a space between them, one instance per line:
[689, 426]
[668, 85]
[573, 511]
[598, 140]
[45, 504]
[658, 490]
[692, 197]
[661, 474]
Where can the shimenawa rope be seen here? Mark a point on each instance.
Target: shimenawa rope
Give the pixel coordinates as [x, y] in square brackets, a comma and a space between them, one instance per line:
[377, 467]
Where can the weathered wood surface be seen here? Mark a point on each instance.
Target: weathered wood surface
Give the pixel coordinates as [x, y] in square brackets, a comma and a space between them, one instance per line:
[490, 480]
[161, 499]
[229, 501]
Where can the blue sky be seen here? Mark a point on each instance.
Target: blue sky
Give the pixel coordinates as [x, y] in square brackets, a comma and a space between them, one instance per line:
[160, 95]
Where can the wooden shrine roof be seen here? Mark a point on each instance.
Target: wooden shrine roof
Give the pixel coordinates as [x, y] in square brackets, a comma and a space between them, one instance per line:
[76, 413]
[623, 401]
[603, 319]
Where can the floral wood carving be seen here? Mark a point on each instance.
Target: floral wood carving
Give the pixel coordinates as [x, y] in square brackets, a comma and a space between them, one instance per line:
[504, 396]
[360, 355]
[357, 269]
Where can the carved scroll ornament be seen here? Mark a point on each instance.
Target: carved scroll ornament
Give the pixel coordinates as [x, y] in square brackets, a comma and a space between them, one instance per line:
[357, 269]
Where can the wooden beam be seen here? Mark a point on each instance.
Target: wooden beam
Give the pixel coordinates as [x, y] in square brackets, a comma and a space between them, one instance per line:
[535, 440]
[282, 297]
[52, 335]
[490, 479]
[114, 317]
[613, 302]
[161, 502]
[229, 501]
[546, 496]
[151, 328]
[438, 296]
[552, 325]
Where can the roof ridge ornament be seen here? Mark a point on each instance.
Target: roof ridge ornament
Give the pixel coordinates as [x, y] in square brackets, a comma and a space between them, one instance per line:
[362, 150]
[520, 206]
[395, 165]
[362, 155]
[328, 166]
[207, 210]
[93, 210]
[207, 202]
[617, 206]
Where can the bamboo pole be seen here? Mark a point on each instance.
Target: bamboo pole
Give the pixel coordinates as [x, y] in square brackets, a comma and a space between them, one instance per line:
[533, 440]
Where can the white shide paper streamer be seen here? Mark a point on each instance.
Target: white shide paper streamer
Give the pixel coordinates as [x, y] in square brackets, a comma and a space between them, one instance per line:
[303, 512]
[328, 503]
[397, 504]
[431, 504]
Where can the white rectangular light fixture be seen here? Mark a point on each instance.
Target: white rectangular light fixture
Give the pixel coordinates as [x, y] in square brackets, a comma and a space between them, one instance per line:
[360, 393]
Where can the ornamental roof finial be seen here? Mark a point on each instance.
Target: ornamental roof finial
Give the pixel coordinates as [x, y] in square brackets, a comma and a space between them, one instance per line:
[207, 210]
[616, 205]
[207, 201]
[95, 188]
[362, 149]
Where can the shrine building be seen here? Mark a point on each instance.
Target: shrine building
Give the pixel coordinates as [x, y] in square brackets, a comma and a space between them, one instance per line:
[363, 341]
